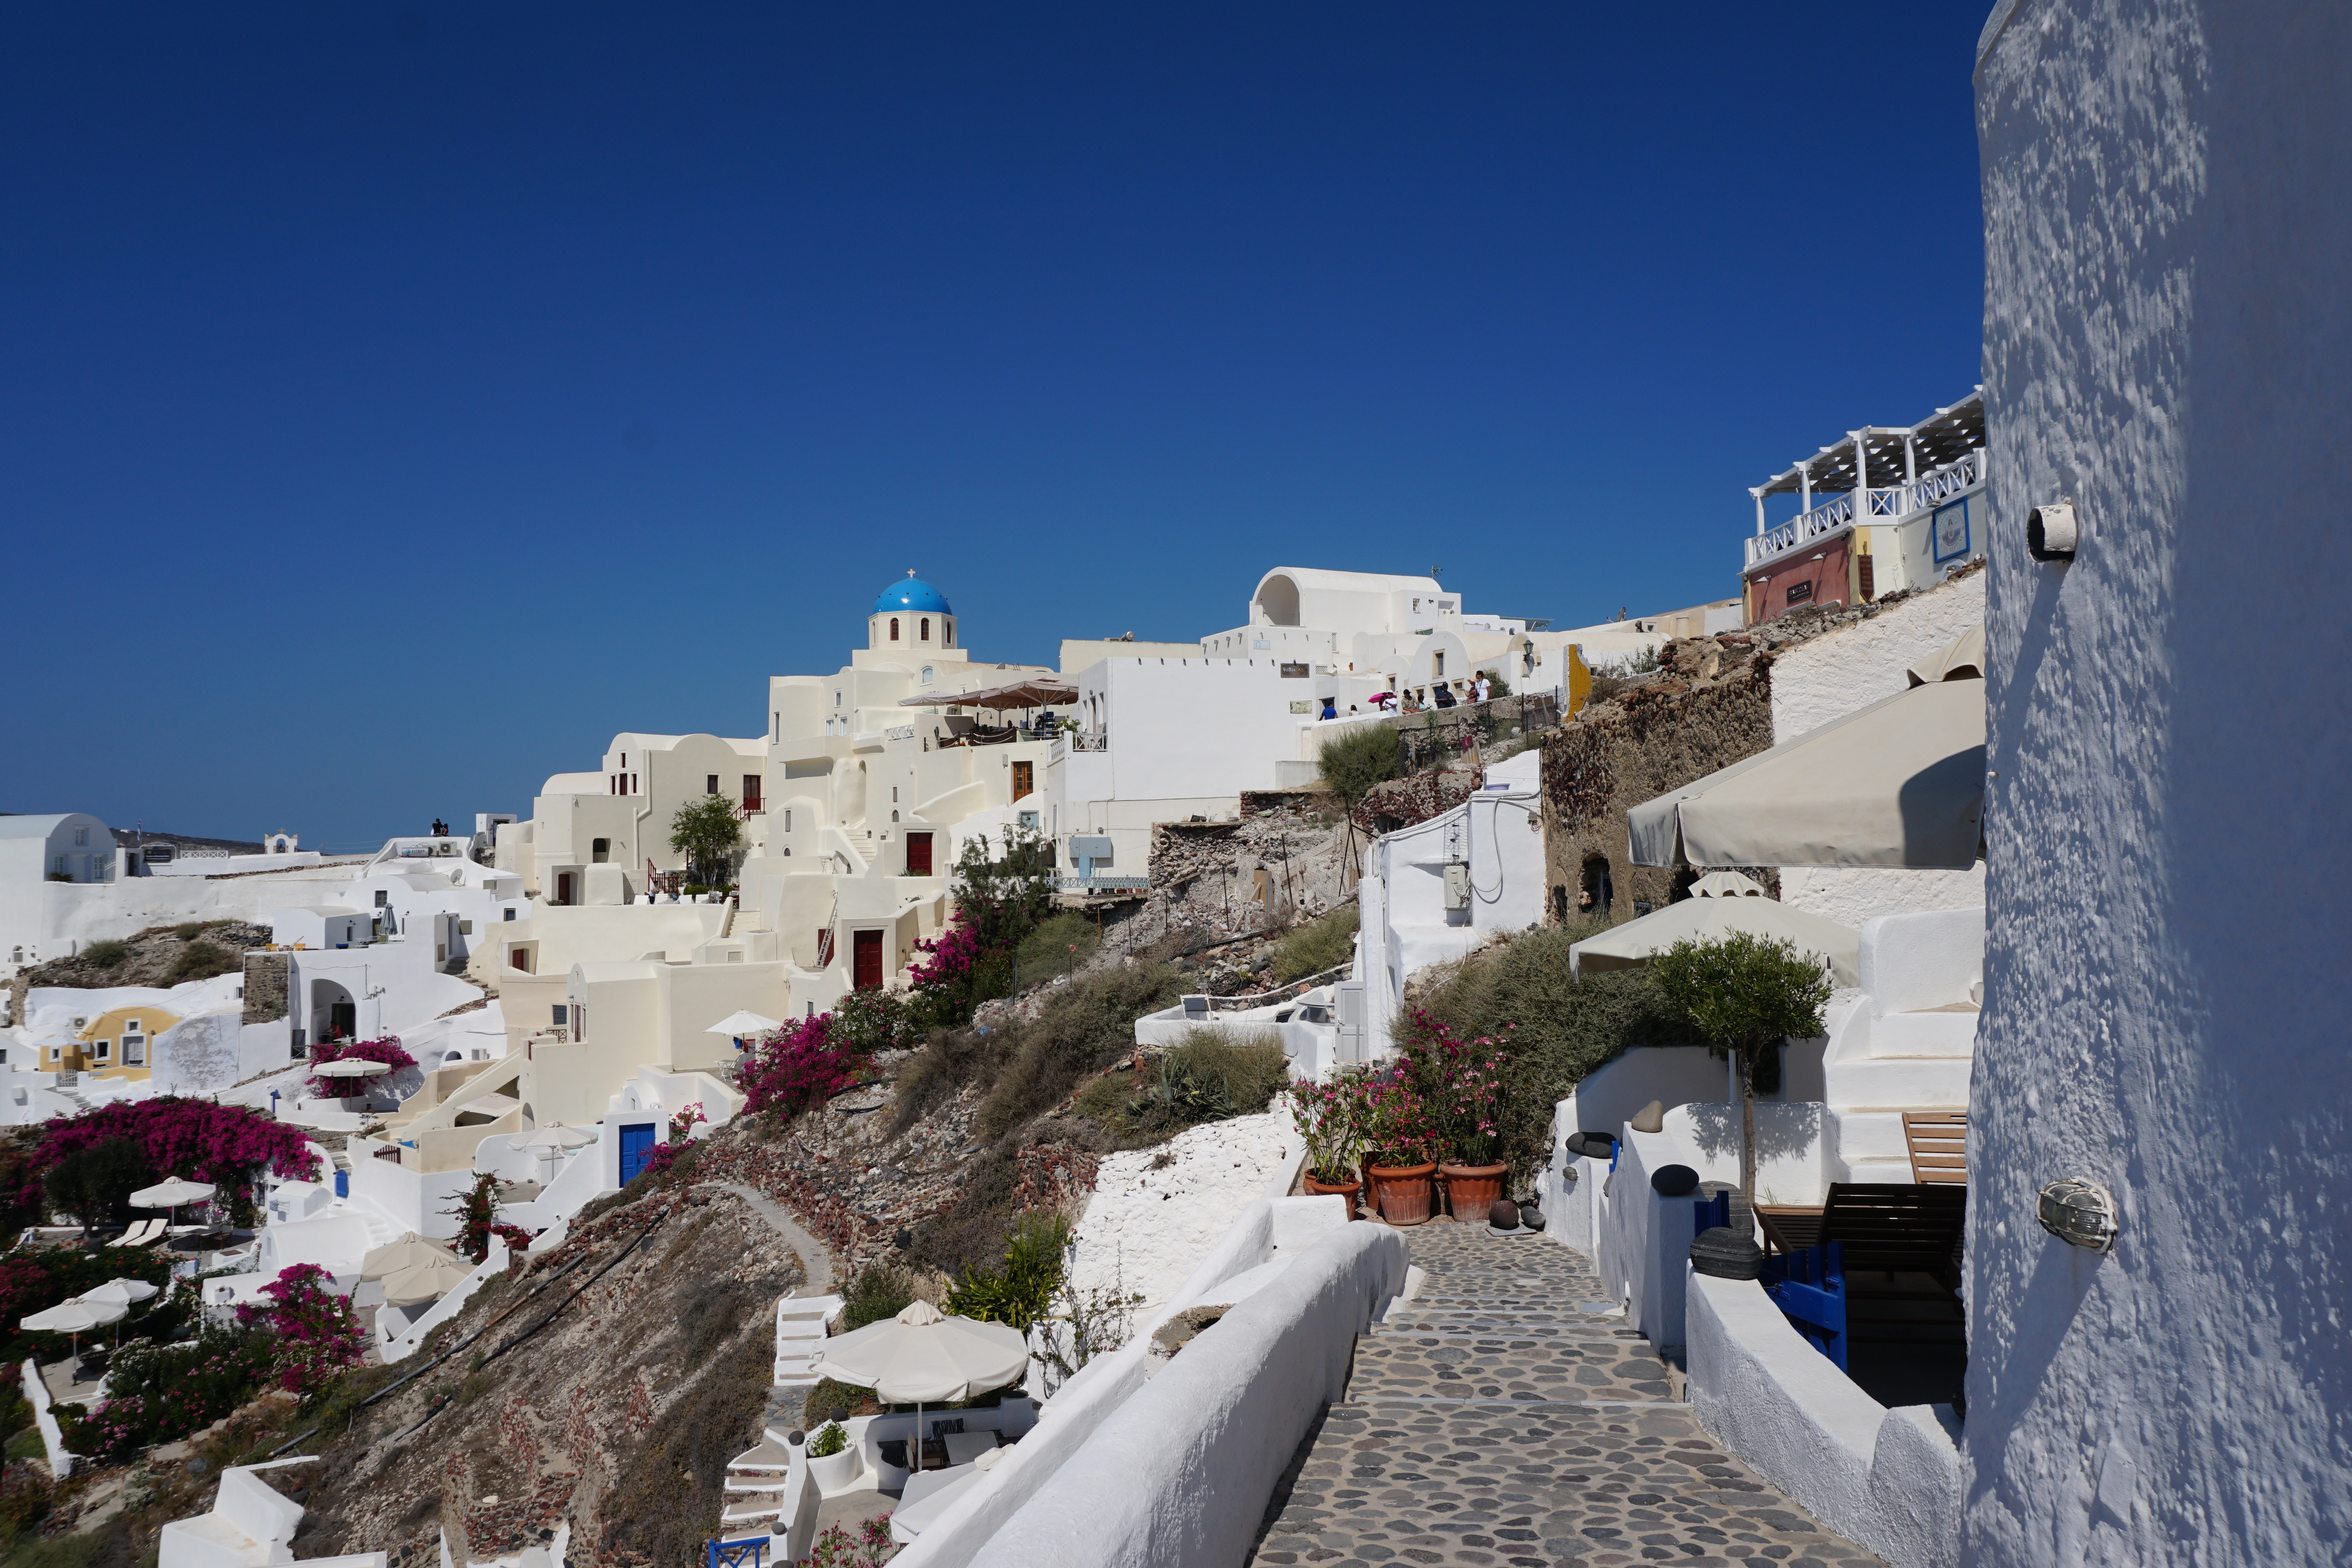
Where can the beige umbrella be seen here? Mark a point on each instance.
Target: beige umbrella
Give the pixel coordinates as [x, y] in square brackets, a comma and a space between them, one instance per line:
[423, 1282]
[409, 1252]
[351, 1067]
[1726, 884]
[1631, 945]
[923, 1357]
[1900, 783]
[555, 1137]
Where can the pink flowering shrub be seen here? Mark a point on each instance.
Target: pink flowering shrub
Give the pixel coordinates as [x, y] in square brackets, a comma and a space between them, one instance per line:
[386, 1051]
[312, 1332]
[478, 1221]
[792, 1070]
[227, 1145]
[1461, 1081]
[870, 1548]
[157, 1393]
[1330, 1121]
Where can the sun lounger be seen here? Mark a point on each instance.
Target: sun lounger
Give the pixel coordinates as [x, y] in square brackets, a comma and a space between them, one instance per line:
[146, 1233]
[1938, 1142]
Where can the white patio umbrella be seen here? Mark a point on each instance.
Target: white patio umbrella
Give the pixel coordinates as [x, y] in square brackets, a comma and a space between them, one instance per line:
[924, 1357]
[351, 1067]
[124, 1293]
[172, 1194]
[557, 1137]
[745, 1022]
[409, 1252]
[1900, 783]
[1726, 884]
[426, 1281]
[1704, 919]
[76, 1318]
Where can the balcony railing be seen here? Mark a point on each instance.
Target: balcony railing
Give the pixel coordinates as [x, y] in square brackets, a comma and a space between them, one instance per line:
[1088, 741]
[1837, 514]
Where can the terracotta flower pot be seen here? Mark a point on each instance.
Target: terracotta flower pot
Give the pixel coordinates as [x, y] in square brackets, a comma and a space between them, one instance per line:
[1403, 1193]
[1351, 1191]
[1471, 1190]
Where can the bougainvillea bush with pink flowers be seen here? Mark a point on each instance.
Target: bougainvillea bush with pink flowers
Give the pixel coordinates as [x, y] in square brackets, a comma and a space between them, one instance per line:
[156, 1393]
[227, 1145]
[312, 1333]
[478, 1221]
[796, 1068]
[387, 1050]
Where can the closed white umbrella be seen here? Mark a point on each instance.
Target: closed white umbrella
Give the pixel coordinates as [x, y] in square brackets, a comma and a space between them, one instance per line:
[351, 1067]
[1705, 919]
[1900, 783]
[924, 1357]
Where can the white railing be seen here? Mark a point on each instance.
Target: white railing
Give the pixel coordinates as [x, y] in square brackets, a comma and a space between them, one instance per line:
[1963, 474]
[1088, 741]
[1924, 494]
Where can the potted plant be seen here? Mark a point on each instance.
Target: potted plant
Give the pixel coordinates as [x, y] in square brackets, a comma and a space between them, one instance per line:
[1397, 1139]
[1474, 1171]
[1327, 1118]
[832, 1462]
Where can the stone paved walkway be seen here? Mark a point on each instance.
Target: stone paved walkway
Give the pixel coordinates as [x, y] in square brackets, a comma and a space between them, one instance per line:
[1507, 1415]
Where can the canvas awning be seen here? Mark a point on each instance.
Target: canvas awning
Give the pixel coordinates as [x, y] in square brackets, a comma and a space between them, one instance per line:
[1704, 919]
[1042, 691]
[1900, 783]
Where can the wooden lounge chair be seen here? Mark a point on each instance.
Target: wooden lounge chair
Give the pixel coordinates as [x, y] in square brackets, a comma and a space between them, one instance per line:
[1939, 1141]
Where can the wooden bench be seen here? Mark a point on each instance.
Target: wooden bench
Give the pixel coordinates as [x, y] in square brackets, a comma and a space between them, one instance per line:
[1874, 1272]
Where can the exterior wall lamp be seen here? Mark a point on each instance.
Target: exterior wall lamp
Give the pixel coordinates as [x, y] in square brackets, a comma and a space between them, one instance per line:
[2079, 1212]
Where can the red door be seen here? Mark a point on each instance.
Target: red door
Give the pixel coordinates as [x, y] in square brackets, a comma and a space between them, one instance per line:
[866, 973]
[918, 854]
[563, 887]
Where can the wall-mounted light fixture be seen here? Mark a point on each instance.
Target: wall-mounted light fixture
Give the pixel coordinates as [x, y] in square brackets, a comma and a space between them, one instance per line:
[2079, 1212]
[2050, 531]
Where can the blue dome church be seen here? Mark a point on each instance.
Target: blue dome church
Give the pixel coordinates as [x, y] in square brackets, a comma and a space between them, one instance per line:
[910, 616]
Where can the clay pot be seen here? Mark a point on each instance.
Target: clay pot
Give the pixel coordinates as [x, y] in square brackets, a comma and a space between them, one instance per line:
[1403, 1194]
[1473, 1189]
[1351, 1191]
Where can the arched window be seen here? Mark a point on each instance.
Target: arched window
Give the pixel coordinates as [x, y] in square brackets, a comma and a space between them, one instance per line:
[1600, 890]
[927, 628]
[947, 631]
[894, 627]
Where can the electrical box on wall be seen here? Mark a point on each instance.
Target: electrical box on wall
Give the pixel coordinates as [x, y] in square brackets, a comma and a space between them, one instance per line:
[1457, 885]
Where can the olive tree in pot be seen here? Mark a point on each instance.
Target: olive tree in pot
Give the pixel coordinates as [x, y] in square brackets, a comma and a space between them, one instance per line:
[1744, 995]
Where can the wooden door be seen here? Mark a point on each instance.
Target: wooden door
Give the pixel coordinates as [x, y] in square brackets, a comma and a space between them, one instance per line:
[918, 854]
[1024, 779]
[636, 1147]
[563, 887]
[866, 973]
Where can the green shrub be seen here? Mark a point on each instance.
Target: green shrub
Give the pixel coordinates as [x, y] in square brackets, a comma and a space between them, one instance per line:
[1083, 1029]
[1206, 1079]
[882, 1291]
[107, 953]
[195, 928]
[1020, 1290]
[1554, 1027]
[1352, 763]
[94, 1185]
[827, 1440]
[952, 1060]
[1312, 949]
[201, 961]
[1059, 945]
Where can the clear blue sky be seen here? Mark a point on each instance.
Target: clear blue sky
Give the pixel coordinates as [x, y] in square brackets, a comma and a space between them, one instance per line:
[395, 402]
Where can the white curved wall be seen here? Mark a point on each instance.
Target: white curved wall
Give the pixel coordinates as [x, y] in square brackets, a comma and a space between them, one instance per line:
[2168, 343]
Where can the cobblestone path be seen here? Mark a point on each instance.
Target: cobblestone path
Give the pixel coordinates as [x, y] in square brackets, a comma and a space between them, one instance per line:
[1507, 1415]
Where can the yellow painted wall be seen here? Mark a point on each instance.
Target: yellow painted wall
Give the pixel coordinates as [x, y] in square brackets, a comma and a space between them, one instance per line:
[106, 1030]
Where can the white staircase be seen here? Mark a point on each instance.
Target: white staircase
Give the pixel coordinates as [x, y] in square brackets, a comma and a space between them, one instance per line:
[800, 1333]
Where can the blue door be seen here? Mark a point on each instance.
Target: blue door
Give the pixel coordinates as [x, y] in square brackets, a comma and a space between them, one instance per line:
[637, 1143]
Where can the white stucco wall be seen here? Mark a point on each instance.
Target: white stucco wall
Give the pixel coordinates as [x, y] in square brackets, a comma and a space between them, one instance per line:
[1148, 1225]
[2166, 331]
